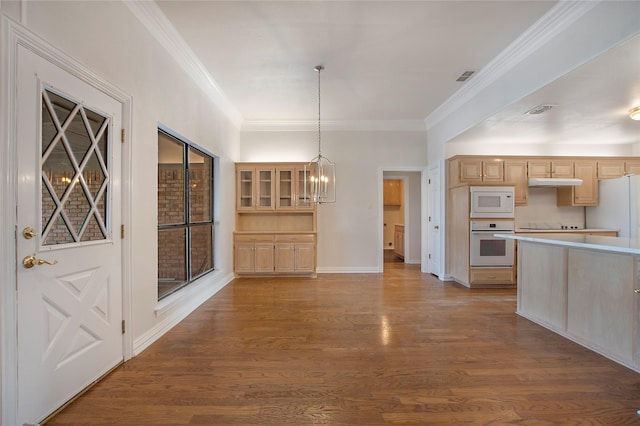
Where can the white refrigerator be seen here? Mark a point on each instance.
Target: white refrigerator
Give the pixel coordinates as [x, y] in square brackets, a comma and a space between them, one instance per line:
[618, 206]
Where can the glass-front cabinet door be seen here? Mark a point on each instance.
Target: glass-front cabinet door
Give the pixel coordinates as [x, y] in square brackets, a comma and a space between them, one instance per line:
[265, 186]
[285, 188]
[245, 189]
[303, 195]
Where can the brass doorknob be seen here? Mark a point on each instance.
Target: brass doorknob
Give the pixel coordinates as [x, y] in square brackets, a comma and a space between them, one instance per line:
[28, 233]
[637, 291]
[31, 261]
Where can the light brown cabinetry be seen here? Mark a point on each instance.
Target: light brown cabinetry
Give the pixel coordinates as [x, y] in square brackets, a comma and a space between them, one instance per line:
[254, 254]
[611, 169]
[398, 240]
[585, 194]
[474, 170]
[392, 194]
[515, 173]
[491, 276]
[255, 188]
[275, 228]
[546, 168]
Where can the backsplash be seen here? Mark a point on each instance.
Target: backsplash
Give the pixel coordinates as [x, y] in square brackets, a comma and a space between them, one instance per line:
[542, 211]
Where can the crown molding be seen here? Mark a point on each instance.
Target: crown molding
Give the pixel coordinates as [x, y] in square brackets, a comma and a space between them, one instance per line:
[329, 125]
[155, 21]
[556, 20]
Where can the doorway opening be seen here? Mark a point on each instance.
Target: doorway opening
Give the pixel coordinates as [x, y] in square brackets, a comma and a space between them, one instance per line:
[401, 233]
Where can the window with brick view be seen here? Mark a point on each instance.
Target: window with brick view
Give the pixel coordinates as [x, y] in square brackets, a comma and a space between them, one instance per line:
[185, 213]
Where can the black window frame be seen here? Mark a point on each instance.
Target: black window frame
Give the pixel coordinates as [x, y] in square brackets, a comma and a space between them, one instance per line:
[187, 224]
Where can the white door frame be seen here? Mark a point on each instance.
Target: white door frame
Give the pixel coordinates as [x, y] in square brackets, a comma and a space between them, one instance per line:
[12, 36]
[423, 211]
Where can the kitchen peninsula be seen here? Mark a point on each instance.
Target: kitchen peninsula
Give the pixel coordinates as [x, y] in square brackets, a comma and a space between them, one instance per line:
[583, 287]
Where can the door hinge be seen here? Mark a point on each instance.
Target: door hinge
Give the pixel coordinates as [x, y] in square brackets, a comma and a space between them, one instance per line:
[122, 135]
[122, 232]
[123, 327]
[429, 255]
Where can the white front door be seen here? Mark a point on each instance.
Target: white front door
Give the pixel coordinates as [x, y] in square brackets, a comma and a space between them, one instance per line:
[69, 289]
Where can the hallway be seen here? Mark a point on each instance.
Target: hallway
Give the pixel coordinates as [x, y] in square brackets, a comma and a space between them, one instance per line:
[360, 349]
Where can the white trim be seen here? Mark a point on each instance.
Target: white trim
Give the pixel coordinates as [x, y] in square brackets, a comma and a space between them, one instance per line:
[334, 125]
[156, 22]
[14, 35]
[423, 211]
[178, 308]
[346, 270]
[556, 20]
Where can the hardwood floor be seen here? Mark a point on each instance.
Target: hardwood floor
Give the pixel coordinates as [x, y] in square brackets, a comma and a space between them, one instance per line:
[364, 349]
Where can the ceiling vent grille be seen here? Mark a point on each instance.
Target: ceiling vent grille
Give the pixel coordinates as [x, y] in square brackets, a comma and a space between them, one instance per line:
[465, 76]
[540, 109]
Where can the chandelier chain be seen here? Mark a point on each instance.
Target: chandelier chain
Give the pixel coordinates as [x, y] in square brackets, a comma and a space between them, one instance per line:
[319, 68]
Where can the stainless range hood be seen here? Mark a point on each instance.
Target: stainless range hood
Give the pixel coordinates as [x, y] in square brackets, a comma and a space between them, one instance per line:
[554, 182]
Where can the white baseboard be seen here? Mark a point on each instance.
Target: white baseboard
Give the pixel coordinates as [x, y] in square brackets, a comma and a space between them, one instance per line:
[347, 270]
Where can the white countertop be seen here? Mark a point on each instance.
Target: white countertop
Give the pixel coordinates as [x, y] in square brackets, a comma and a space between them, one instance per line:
[561, 231]
[595, 242]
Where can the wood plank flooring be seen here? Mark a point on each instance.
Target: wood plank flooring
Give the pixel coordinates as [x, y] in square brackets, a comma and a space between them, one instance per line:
[363, 349]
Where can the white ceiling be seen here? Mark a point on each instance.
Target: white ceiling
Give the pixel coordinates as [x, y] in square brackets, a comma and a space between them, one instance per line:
[391, 61]
[384, 60]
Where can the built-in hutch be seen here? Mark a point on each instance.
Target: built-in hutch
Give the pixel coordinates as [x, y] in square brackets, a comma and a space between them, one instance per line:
[275, 226]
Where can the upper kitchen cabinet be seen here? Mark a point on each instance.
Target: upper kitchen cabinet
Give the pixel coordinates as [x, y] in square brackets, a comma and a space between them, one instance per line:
[615, 168]
[515, 173]
[255, 188]
[611, 169]
[632, 167]
[392, 193]
[546, 168]
[585, 194]
[475, 170]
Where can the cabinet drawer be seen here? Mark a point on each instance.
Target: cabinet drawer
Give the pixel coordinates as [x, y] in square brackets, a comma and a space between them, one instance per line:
[253, 238]
[295, 238]
[492, 276]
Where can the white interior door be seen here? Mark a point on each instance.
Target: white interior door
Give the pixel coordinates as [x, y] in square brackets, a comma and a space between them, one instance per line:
[434, 220]
[69, 288]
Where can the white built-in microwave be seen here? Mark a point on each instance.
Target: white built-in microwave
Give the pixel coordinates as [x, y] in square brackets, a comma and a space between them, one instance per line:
[492, 202]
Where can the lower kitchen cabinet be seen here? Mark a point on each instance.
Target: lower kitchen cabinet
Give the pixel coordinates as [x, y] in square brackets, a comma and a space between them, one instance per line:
[275, 254]
[491, 276]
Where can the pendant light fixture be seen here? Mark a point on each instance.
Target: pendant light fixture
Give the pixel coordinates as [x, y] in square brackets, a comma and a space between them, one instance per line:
[320, 173]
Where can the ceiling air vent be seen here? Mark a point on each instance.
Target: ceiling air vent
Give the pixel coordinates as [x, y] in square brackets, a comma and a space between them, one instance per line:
[540, 109]
[465, 76]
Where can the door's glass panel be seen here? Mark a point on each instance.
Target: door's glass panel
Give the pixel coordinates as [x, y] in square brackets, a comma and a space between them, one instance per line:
[93, 175]
[92, 232]
[96, 122]
[49, 130]
[48, 206]
[201, 250]
[73, 154]
[200, 168]
[170, 181]
[77, 207]
[172, 269]
[59, 233]
[62, 107]
[58, 169]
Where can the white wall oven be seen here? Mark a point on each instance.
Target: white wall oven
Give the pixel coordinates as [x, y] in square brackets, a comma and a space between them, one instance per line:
[492, 202]
[487, 250]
